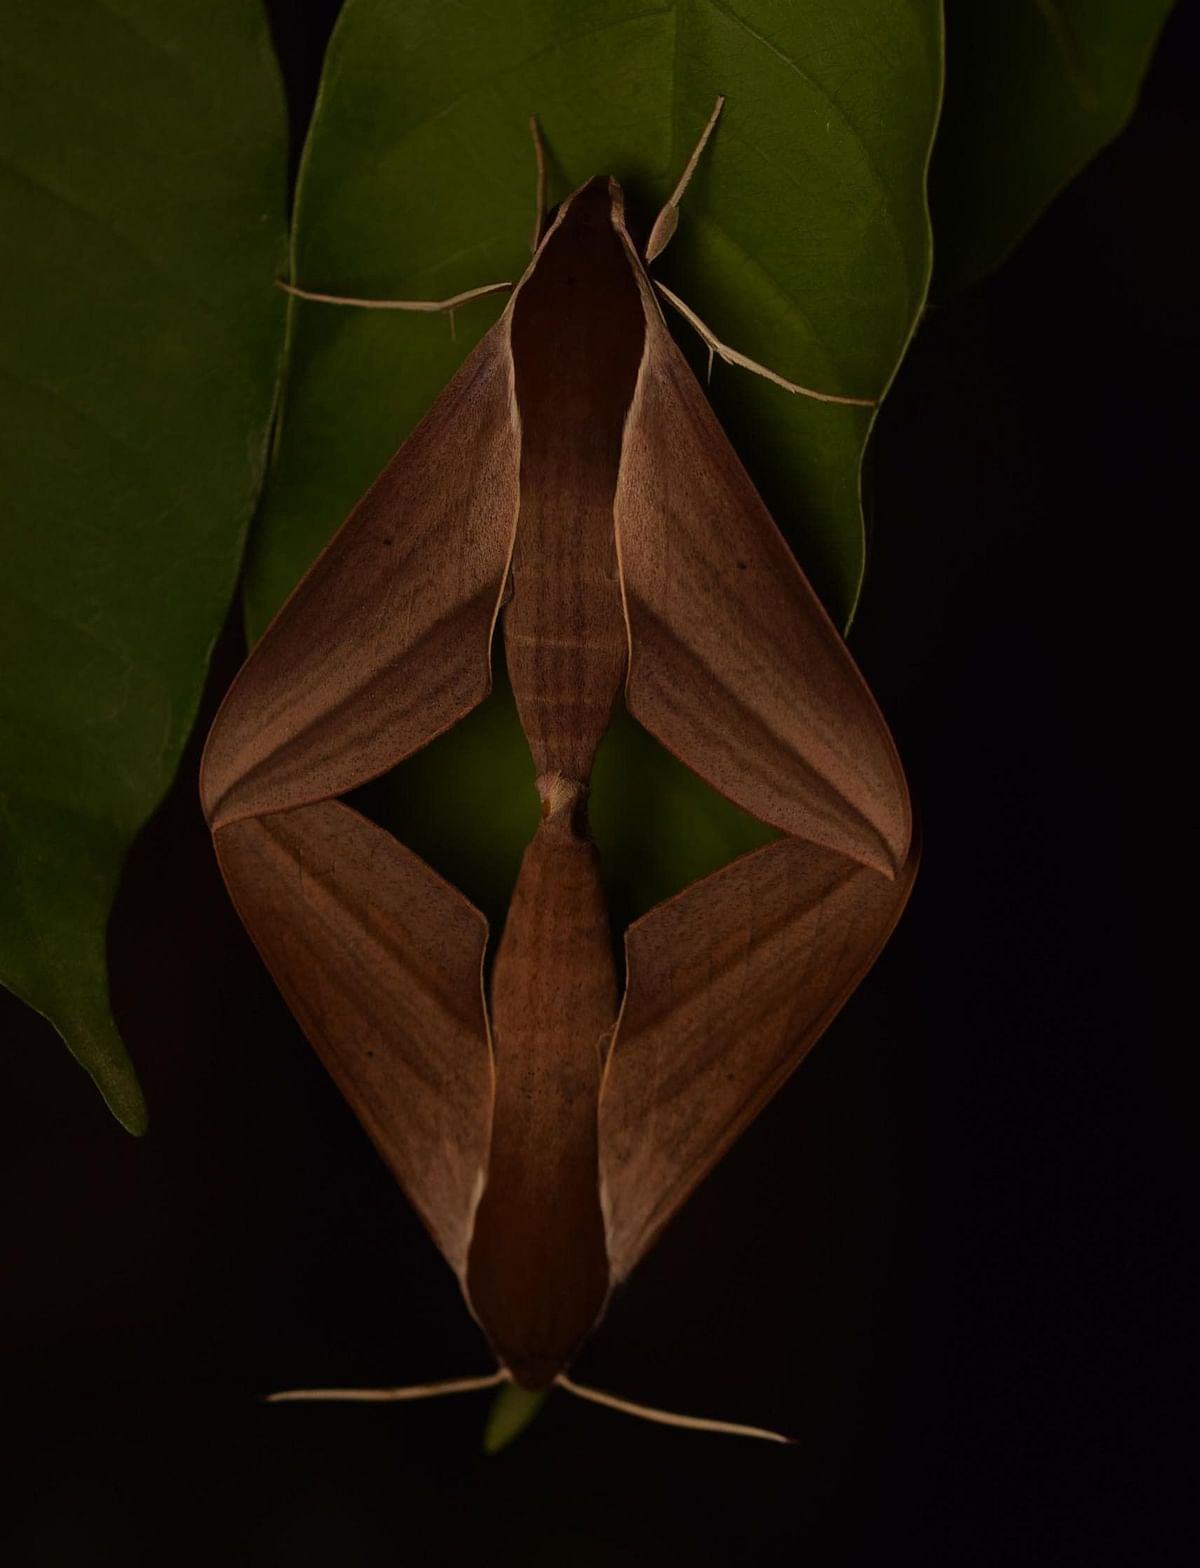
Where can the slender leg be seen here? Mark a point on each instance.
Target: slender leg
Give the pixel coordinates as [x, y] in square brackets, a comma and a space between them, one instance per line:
[539, 152]
[455, 1385]
[664, 224]
[427, 305]
[667, 1417]
[732, 357]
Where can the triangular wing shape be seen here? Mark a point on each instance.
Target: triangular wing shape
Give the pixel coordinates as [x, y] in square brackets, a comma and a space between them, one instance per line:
[734, 665]
[381, 963]
[386, 642]
[728, 985]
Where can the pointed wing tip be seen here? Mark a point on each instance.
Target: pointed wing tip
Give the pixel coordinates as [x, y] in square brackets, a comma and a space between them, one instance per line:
[886, 848]
[212, 787]
[898, 838]
[903, 856]
[908, 851]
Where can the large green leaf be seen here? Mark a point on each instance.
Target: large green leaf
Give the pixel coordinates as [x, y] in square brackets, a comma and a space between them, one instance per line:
[1034, 89]
[804, 242]
[143, 187]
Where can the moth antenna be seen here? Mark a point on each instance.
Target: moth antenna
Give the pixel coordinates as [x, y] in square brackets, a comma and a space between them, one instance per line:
[453, 1385]
[668, 1417]
[731, 356]
[668, 218]
[453, 333]
[429, 306]
[539, 153]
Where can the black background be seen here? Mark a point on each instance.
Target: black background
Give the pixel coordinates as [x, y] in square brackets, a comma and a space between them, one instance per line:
[933, 1258]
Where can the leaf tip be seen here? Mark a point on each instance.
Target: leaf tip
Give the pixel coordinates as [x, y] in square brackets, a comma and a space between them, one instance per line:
[124, 1097]
[512, 1411]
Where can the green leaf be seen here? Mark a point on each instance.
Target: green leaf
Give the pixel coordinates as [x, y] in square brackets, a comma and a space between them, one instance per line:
[142, 187]
[1034, 89]
[803, 241]
[512, 1411]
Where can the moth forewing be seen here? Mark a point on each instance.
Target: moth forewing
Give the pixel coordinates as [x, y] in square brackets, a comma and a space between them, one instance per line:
[386, 640]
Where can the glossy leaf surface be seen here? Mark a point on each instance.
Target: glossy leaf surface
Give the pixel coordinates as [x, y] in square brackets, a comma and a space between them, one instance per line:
[1034, 89]
[143, 190]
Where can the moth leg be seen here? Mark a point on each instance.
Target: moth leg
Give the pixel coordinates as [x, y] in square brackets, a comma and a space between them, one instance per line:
[454, 1385]
[668, 218]
[731, 356]
[539, 153]
[429, 306]
[598, 1396]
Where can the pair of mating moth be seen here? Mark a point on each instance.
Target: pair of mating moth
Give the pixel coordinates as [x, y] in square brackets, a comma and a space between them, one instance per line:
[572, 482]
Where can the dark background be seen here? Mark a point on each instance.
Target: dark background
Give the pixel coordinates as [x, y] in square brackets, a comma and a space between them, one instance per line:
[933, 1258]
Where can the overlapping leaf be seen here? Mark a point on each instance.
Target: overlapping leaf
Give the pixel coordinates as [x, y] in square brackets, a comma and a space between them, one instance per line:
[1034, 89]
[143, 188]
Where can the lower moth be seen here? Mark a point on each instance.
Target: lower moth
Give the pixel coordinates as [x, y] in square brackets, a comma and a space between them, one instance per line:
[571, 483]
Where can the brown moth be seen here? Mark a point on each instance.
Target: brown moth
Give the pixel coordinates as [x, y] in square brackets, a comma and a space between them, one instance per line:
[571, 482]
